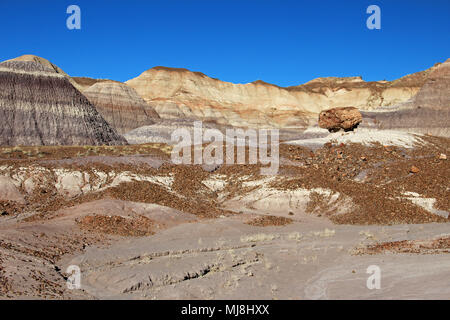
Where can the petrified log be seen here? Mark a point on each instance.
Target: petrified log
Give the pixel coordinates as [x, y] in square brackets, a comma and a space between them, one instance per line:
[336, 119]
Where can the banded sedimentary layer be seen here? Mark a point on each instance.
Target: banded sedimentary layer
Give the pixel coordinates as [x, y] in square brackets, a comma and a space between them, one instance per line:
[180, 93]
[83, 83]
[40, 106]
[120, 105]
[435, 93]
[427, 112]
[48, 64]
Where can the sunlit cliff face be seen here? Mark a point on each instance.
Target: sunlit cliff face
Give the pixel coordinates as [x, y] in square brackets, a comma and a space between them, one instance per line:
[182, 93]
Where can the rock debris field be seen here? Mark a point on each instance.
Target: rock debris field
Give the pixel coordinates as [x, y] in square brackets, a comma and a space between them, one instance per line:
[140, 227]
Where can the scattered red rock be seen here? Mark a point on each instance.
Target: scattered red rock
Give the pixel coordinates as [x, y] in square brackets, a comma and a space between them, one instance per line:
[433, 246]
[265, 221]
[10, 208]
[373, 179]
[139, 226]
[414, 169]
[375, 185]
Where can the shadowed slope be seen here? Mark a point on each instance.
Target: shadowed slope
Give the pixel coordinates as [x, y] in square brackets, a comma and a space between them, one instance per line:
[120, 106]
[427, 112]
[40, 106]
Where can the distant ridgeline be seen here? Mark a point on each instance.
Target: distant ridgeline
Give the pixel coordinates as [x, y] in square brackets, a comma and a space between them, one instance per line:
[42, 105]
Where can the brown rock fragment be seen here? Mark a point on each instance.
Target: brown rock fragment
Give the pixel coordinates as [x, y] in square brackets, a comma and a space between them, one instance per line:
[414, 169]
[335, 119]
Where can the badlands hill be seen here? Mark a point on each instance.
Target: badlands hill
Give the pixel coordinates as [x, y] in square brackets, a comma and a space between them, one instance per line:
[179, 93]
[48, 64]
[83, 83]
[436, 91]
[417, 102]
[426, 112]
[40, 106]
[120, 105]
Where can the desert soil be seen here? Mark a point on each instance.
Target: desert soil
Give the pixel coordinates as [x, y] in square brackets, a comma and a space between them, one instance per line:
[139, 227]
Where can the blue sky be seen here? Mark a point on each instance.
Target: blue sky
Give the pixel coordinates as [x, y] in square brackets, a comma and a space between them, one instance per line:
[279, 41]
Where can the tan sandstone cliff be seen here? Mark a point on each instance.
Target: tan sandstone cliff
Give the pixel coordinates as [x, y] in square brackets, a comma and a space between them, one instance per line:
[179, 93]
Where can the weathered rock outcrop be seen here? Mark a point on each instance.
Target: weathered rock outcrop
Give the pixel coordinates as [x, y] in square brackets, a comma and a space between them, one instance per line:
[48, 64]
[83, 83]
[120, 105]
[435, 93]
[181, 93]
[335, 119]
[40, 106]
[427, 112]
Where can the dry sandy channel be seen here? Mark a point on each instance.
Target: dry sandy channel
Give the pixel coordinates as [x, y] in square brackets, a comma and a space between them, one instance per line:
[227, 259]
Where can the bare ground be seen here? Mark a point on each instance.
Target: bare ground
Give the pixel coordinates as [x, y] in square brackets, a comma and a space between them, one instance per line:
[140, 227]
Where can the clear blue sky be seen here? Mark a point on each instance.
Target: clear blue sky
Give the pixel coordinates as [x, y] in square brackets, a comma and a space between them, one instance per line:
[281, 42]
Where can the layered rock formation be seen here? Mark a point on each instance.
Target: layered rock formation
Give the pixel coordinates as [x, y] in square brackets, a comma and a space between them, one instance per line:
[48, 64]
[427, 112]
[83, 83]
[435, 93]
[40, 106]
[120, 105]
[182, 94]
[179, 93]
[336, 119]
